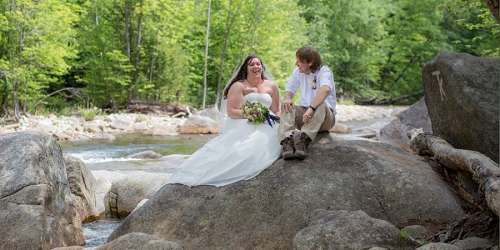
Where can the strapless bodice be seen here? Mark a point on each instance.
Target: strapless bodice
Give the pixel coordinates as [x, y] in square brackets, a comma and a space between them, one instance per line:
[264, 98]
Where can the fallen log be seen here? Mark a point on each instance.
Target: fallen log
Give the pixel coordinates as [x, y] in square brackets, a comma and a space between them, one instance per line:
[484, 170]
[157, 108]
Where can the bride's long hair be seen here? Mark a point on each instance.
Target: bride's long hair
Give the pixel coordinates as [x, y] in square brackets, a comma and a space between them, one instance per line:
[242, 73]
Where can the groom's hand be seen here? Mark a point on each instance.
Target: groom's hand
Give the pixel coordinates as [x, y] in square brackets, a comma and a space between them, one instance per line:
[288, 105]
[307, 115]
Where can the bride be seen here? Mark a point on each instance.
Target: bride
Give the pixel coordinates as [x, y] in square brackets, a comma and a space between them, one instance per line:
[243, 149]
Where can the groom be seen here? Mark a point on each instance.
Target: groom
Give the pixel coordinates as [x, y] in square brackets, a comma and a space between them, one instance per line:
[316, 110]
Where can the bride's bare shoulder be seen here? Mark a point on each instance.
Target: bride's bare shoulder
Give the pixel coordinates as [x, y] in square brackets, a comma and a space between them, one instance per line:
[271, 84]
[236, 88]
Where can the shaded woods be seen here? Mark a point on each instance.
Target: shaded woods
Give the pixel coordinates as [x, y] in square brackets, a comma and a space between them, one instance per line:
[108, 54]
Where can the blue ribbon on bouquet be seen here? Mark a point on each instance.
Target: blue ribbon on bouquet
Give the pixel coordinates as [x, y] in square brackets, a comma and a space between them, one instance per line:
[272, 119]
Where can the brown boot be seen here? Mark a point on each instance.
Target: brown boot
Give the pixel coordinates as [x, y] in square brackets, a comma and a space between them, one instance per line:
[287, 150]
[301, 142]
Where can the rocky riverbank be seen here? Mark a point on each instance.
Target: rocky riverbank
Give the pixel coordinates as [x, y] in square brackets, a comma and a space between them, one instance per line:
[76, 128]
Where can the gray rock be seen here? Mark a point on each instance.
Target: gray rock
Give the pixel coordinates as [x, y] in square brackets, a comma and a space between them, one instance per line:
[377, 248]
[438, 246]
[36, 207]
[267, 211]
[148, 154]
[82, 185]
[69, 248]
[464, 110]
[125, 194]
[196, 124]
[397, 131]
[133, 241]
[473, 243]
[347, 230]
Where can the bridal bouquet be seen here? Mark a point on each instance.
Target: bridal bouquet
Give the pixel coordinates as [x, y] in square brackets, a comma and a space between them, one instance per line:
[257, 113]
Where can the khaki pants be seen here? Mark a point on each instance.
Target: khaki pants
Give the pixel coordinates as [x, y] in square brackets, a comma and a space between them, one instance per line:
[322, 120]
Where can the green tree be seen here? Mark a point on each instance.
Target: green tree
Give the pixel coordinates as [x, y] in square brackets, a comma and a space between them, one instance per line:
[37, 40]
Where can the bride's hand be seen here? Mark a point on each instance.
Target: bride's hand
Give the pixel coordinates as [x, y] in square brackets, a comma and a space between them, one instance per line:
[248, 90]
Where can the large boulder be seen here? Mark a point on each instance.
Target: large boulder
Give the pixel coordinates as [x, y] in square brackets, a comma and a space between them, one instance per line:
[133, 241]
[348, 230]
[398, 130]
[82, 185]
[126, 193]
[36, 207]
[197, 124]
[461, 92]
[267, 211]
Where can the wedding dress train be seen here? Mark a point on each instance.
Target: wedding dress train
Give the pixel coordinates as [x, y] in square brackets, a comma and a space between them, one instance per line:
[240, 152]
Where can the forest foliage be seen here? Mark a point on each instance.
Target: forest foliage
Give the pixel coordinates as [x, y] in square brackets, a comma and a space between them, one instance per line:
[109, 53]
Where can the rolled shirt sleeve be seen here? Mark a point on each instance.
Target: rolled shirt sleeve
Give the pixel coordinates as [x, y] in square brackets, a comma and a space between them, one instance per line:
[325, 78]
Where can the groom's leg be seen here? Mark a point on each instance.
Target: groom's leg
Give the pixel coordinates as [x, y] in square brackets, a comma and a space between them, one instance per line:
[322, 120]
[289, 121]
[329, 121]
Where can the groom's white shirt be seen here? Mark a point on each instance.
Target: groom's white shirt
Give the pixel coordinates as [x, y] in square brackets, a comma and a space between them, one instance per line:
[304, 82]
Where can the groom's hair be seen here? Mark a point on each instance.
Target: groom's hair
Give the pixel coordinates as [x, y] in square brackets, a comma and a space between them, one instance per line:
[309, 55]
[242, 73]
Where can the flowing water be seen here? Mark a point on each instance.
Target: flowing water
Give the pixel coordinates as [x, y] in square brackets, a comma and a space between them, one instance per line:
[112, 156]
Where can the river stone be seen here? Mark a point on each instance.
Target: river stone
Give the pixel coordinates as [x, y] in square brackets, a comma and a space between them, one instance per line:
[69, 248]
[148, 154]
[126, 193]
[347, 230]
[464, 110]
[82, 185]
[438, 246]
[103, 185]
[267, 211]
[133, 241]
[36, 206]
[196, 124]
[415, 117]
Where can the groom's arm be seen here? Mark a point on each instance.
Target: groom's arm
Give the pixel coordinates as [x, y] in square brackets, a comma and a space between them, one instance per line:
[325, 80]
[321, 95]
[291, 87]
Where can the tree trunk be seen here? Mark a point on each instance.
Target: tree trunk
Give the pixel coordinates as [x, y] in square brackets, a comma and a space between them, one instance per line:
[15, 100]
[156, 94]
[484, 171]
[493, 5]
[206, 56]
[229, 24]
[4, 94]
[127, 29]
[15, 87]
[137, 59]
[96, 13]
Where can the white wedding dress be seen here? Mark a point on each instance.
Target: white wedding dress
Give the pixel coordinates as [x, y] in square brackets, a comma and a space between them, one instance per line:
[240, 152]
